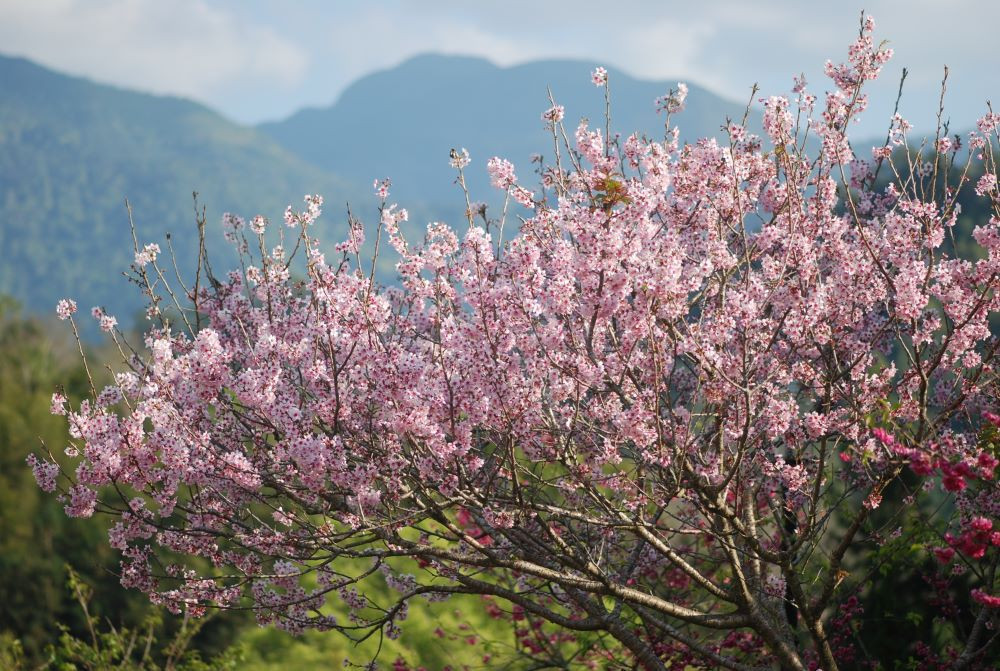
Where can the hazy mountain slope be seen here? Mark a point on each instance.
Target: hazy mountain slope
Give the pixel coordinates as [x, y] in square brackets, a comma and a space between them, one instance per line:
[72, 150]
[402, 122]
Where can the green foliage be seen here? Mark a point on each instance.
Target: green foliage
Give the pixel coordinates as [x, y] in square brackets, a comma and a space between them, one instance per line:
[105, 647]
[36, 538]
[455, 632]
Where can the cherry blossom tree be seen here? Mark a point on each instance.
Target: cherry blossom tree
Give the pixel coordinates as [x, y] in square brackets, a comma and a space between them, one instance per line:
[681, 408]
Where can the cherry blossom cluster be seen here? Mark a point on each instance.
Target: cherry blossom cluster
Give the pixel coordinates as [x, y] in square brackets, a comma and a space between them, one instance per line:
[669, 409]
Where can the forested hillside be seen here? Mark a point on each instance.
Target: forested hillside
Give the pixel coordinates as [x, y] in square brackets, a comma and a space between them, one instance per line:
[72, 151]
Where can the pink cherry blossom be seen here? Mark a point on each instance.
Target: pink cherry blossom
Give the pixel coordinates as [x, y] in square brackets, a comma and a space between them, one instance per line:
[554, 114]
[65, 308]
[599, 76]
[675, 406]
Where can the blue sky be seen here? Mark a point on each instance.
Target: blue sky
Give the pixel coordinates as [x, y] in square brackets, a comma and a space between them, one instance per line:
[257, 60]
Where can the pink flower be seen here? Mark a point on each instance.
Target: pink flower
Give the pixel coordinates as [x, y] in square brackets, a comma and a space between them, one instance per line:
[58, 405]
[673, 102]
[986, 463]
[884, 437]
[459, 159]
[258, 224]
[45, 473]
[873, 501]
[65, 308]
[799, 83]
[599, 77]
[881, 153]
[293, 219]
[981, 524]
[944, 555]
[106, 321]
[986, 184]
[986, 599]
[554, 114]
[82, 503]
[501, 173]
[147, 255]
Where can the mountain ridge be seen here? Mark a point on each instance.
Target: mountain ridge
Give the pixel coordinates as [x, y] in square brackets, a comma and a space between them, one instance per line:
[432, 102]
[72, 150]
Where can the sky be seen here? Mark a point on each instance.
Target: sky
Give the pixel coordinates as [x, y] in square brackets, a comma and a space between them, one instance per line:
[257, 60]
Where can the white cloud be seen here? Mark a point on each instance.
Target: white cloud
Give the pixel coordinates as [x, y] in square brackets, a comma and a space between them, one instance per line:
[375, 38]
[184, 47]
[665, 48]
[264, 59]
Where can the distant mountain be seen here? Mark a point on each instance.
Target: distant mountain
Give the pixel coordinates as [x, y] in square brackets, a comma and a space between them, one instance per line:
[71, 151]
[402, 122]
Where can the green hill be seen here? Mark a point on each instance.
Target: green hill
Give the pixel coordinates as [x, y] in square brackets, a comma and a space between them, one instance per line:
[71, 151]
